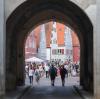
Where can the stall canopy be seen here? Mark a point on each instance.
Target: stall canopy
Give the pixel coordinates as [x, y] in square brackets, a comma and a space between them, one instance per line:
[34, 59]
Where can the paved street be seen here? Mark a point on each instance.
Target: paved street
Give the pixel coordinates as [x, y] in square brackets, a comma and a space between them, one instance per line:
[48, 92]
[45, 91]
[70, 81]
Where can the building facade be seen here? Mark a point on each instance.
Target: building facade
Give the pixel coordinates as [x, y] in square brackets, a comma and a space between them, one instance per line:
[57, 37]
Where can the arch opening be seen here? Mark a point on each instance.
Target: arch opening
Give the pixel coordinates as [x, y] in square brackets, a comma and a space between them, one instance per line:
[20, 23]
[41, 52]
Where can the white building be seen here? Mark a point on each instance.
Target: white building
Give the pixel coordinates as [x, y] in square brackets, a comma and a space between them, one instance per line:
[48, 56]
[57, 52]
[42, 46]
[68, 44]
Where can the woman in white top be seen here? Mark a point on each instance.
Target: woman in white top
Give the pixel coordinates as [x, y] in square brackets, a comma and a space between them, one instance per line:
[47, 71]
[31, 72]
[41, 70]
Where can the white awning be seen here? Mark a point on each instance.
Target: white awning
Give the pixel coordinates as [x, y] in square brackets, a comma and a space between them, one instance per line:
[34, 59]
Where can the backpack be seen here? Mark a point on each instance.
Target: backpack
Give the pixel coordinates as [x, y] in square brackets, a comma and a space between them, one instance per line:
[63, 71]
[36, 73]
[53, 71]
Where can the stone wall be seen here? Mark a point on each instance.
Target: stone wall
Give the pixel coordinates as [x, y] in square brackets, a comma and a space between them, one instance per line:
[97, 53]
[2, 49]
[84, 3]
[11, 5]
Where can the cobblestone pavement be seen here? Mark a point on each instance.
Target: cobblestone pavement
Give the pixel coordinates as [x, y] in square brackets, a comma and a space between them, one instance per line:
[70, 81]
[44, 90]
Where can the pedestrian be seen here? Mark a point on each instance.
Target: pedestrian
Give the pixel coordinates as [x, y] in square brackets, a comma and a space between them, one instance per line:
[73, 72]
[31, 73]
[76, 67]
[63, 73]
[37, 75]
[67, 68]
[40, 70]
[47, 71]
[53, 74]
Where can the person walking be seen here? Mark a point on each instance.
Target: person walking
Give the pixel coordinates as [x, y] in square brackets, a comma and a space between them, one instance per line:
[41, 70]
[63, 73]
[31, 73]
[67, 68]
[53, 74]
[47, 71]
[37, 75]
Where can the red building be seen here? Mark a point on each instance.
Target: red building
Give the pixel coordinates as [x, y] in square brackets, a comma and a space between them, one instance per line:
[76, 48]
[31, 48]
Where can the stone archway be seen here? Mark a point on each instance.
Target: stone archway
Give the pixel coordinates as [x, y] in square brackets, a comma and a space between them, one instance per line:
[33, 13]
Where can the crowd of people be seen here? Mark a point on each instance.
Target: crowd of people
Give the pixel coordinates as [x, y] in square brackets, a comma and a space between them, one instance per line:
[51, 70]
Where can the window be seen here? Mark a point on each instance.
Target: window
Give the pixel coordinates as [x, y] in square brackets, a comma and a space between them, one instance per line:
[58, 51]
[54, 51]
[62, 50]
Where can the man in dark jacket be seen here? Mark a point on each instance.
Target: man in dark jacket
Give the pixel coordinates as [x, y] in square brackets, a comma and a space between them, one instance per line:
[63, 73]
[53, 74]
